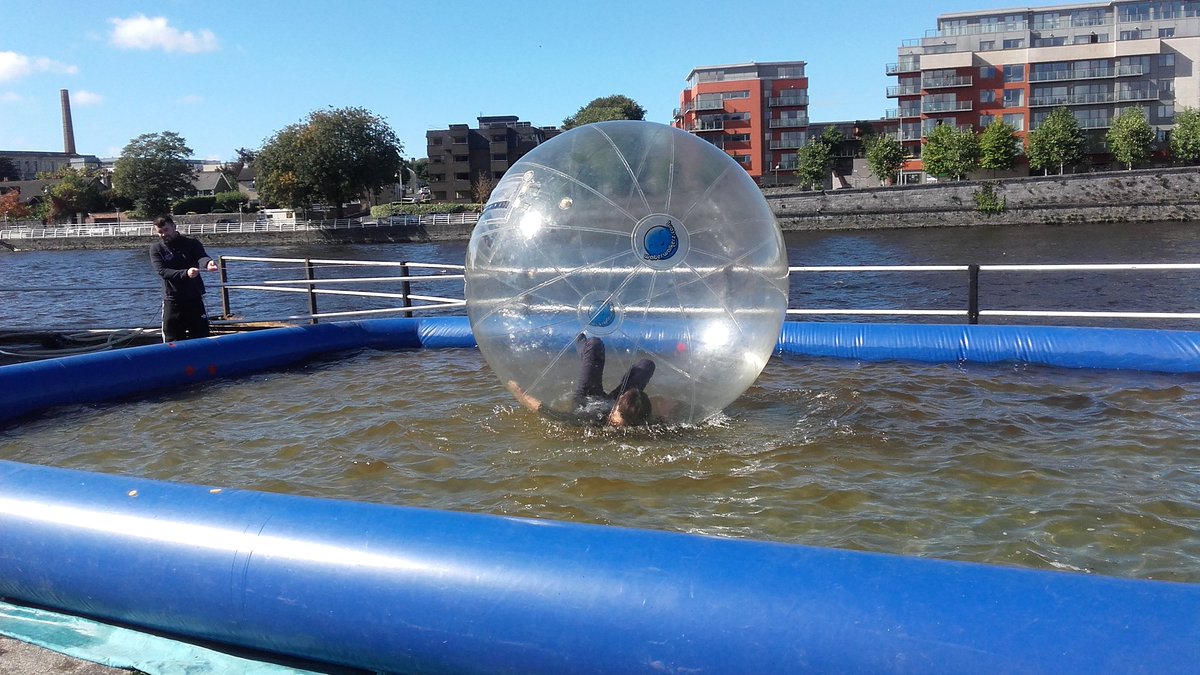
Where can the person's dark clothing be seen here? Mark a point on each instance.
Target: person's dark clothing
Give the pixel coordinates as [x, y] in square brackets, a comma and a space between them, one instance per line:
[590, 403]
[184, 316]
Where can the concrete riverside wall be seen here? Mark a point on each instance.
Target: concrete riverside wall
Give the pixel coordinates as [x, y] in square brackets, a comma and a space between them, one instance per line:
[1143, 195]
[1118, 196]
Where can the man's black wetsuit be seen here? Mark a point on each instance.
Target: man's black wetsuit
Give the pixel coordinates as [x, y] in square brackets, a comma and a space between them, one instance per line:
[184, 315]
[591, 405]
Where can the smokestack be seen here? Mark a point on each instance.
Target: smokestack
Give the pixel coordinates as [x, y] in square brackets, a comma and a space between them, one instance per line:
[68, 128]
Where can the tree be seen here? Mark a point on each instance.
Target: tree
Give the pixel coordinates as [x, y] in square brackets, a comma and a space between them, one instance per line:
[1130, 138]
[615, 107]
[998, 147]
[77, 191]
[8, 170]
[813, 162]
[950, 151]
[334, 156]
[885, 156]
[152, 171]
[11, 207]
[1185, 137]
[482, 187]
[1057, 142]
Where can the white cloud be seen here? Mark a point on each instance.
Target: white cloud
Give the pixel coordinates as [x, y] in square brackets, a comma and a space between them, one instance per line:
[10, 97]
[145, 33]
[15, 66]
[82, 97]
[191, 99]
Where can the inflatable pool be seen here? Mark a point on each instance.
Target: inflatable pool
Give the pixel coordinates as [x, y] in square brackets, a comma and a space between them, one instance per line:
[398, 589]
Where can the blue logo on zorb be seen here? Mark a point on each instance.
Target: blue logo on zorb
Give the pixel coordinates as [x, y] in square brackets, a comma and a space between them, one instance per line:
[661, 242]
[602, 314]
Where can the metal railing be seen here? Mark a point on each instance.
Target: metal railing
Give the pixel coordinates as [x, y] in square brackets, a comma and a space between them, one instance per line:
[146, 228]
[314, 287]
[971, 311]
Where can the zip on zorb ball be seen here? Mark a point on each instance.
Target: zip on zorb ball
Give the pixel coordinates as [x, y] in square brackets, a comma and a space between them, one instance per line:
[644, 236]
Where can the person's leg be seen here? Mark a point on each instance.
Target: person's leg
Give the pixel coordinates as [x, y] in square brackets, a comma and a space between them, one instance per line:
[172, 323]
[199, 318]
[590, 381]
[637, 378]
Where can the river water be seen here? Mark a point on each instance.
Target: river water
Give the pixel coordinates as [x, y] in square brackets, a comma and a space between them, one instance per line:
[1090, 471]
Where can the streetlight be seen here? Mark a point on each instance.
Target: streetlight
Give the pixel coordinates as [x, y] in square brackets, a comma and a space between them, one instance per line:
[776, 175]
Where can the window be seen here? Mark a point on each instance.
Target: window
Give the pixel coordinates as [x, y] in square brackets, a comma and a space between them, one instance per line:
[1015, 43]
[987, 72]
[1167, 60]
[1166, 32]
[462, 176]
[1091, 38]
[987, 45]
[742, 159]
[987, 96]
[1014, 73]
[1133, 34]
[1165, 112]
[737, 138]
[985, 121]
[1014, 98]
[1015, 120]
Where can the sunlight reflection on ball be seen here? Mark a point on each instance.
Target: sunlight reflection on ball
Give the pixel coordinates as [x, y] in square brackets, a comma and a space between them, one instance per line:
[643, 235]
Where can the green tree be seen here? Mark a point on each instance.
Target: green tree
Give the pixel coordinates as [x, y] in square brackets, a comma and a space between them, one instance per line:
[1185, 137]
[950, 151]
[1130, 138]
[1058, 142]
[152, 171]
[8, 170]
[885, 156]
[76, 192]
[334, 156]
[998, 147]
[233, 170]
[813, 163]
[615, 107]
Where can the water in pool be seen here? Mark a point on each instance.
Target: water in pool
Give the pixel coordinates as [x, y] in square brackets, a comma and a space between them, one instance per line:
[1090, 471]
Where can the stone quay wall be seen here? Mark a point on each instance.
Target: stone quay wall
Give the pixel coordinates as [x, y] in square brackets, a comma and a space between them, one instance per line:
[1141, 195]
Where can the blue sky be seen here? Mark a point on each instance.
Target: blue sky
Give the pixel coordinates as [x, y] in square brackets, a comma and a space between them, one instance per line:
[227, 74]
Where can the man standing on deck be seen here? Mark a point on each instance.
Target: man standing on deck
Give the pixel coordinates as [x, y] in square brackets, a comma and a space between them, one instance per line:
[178, 260]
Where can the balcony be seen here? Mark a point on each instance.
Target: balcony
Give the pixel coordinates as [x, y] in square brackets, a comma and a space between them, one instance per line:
[934, 107]
[945, 82]
[1088, 74]
[788, 101]
[787, 144]
[903, 67]
[903, 90]
[1149, 94]
[707, 125]
[787, 122]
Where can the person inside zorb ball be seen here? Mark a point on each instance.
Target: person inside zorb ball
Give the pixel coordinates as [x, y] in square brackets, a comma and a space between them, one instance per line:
[626, 273]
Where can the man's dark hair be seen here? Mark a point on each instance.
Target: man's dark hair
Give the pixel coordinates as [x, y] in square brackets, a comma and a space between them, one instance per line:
[163, 220]
[634, 406]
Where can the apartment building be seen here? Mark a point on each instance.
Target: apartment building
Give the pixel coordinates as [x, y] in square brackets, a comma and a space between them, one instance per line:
[460, 157]
[755, 112]
[1018, 65]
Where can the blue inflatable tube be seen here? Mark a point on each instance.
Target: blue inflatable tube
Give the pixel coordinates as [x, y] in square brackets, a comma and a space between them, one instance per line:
[410, 590]
[32, 387]
[1164, 351]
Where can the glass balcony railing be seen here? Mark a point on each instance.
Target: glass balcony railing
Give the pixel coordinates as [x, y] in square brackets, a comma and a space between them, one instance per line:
[933, 107]
[903, 90]
[943, 82]
[1150, 94]
[1087, 73]
[788, 101]
[787, 122]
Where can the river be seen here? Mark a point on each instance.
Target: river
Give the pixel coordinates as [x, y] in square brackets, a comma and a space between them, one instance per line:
[1086, 471]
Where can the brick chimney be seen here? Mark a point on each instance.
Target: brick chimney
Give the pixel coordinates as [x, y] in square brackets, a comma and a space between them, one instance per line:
[68, 128]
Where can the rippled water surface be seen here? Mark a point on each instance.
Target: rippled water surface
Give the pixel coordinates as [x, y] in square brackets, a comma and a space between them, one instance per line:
[1074, 470]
